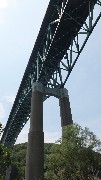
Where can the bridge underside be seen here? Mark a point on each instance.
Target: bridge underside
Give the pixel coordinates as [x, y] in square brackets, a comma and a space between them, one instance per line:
[57, 48]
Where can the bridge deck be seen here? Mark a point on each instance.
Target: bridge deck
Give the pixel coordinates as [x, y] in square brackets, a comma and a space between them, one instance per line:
[62, 22]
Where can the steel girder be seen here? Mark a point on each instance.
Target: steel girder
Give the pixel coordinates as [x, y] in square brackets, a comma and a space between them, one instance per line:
[56, 49]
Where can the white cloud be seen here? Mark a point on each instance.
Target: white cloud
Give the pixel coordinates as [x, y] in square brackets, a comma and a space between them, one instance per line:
[51, 137]
[9, 99]
[1, 20]
[23, 137]
[5, 3]
[2, 113]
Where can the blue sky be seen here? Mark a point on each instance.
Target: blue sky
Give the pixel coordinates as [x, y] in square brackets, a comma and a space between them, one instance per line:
[20, 21]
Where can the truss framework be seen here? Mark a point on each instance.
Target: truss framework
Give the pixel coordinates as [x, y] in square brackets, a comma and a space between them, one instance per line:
[59, 50]
[77, 45]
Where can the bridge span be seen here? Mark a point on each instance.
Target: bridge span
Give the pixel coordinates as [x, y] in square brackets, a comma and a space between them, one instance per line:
[57, 48]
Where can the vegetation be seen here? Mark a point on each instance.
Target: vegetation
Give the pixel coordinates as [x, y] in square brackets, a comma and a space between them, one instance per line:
[19, 159]
[77, 156]
[5, 159]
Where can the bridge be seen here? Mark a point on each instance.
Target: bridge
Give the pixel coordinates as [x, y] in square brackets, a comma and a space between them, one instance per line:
[57, 49]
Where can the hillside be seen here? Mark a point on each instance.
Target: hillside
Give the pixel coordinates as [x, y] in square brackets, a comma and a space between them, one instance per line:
[19, 159]
[76, 156]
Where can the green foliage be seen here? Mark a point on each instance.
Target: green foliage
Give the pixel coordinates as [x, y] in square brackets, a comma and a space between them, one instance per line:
[17, 171]
[47, 148]
[19, 159]
[5, 159]
[74, 157]
[77, 156]
[19, 153]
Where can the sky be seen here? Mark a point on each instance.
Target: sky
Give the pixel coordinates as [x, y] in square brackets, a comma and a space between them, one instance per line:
[20, 21]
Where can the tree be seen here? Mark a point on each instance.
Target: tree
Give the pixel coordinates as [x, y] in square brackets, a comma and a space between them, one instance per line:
[5, 159]
[19, 159]
[75, 157]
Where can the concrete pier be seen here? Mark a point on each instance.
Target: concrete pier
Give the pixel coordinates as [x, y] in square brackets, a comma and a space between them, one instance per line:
[65, 110]
[35, 148]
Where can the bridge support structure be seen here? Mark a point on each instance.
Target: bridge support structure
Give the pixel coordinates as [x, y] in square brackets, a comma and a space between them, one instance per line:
[35, 147]
[65, 110]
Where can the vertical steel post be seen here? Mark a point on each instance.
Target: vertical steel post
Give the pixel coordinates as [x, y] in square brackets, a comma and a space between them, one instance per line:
[65, 110]
[35, 147]
[37, 67]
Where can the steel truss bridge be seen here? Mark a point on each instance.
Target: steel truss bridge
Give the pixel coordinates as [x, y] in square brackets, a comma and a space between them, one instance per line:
[65, 29]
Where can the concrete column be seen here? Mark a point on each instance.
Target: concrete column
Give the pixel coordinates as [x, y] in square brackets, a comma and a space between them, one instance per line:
[35, 147]
[65, 110]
